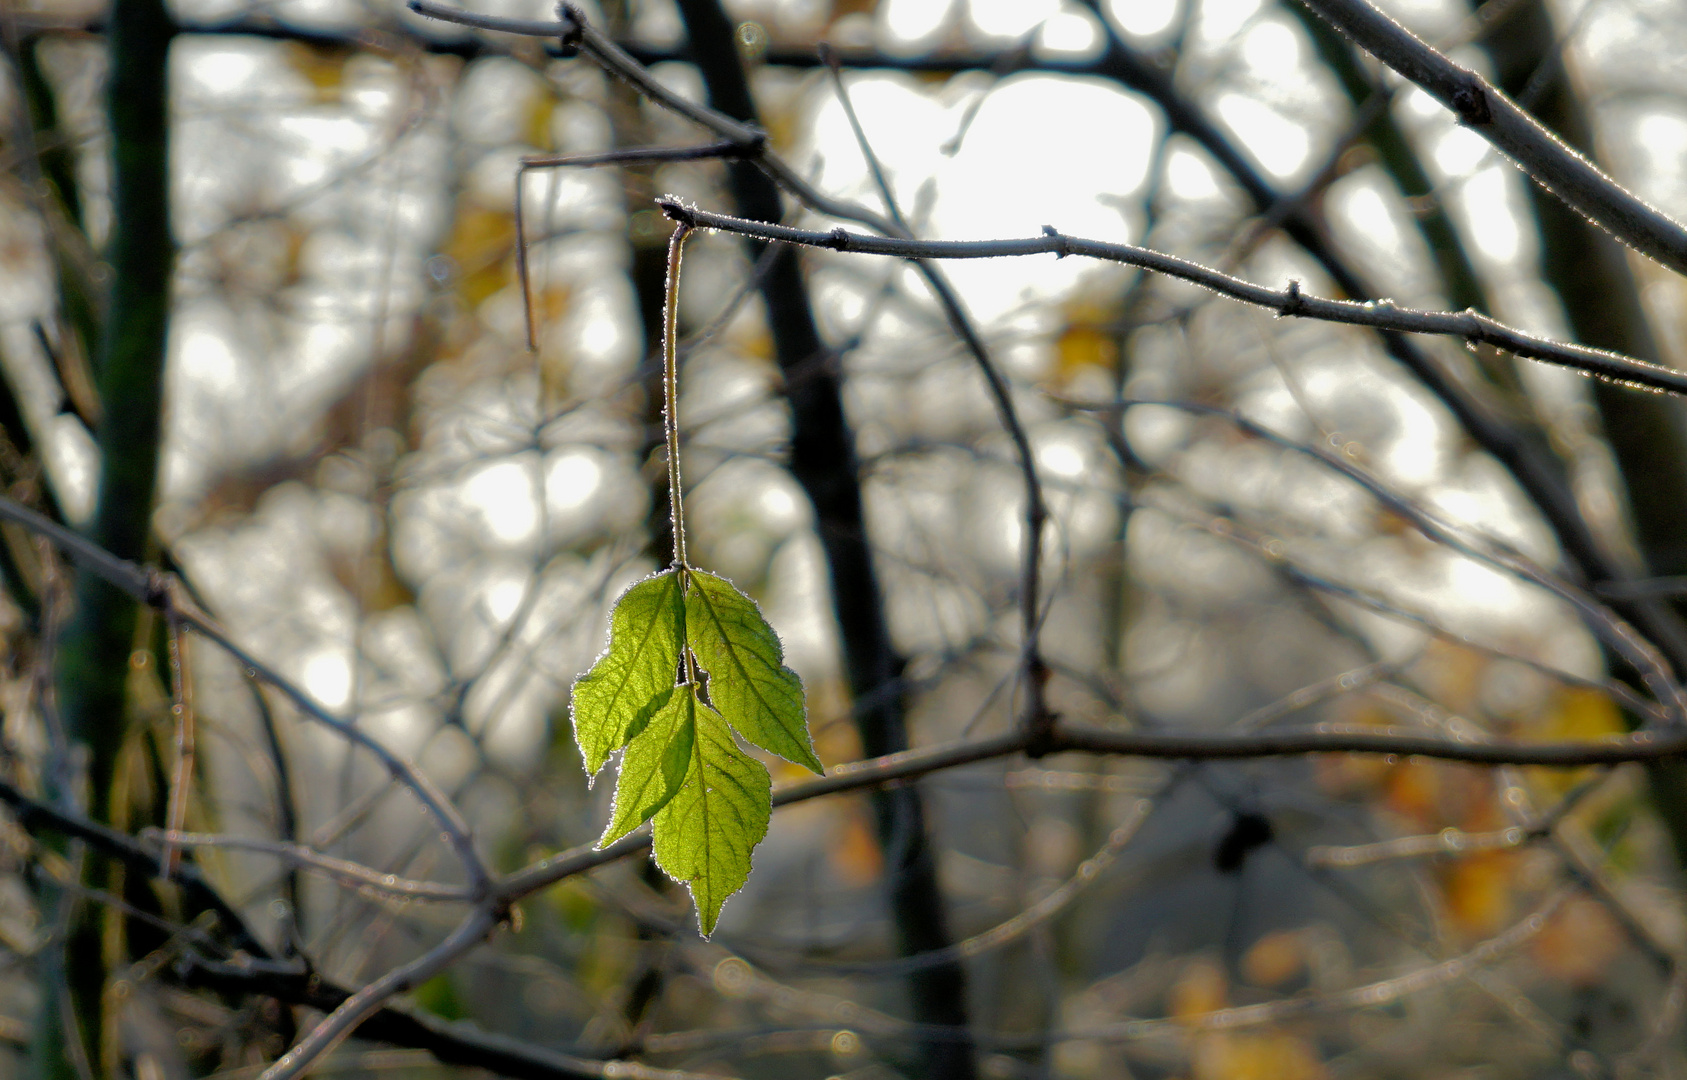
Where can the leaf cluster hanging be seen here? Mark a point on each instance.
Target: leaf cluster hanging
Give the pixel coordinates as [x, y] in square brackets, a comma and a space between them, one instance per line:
[690, 661]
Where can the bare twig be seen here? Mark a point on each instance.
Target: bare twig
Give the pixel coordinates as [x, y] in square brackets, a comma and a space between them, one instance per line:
[575, 30]
[1372, 994]
[1446, 842]
[1471, 326]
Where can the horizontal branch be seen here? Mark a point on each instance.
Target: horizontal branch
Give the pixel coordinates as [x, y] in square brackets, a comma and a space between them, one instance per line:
[1490, 113]
[1391, 741]
[636, 155]
[1471, 325]
[576, 32]
[1639, 746]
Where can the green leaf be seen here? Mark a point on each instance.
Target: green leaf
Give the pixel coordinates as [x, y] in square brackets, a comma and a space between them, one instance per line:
[655, 764]
[705, 833]
[748, 681]
[615, 699]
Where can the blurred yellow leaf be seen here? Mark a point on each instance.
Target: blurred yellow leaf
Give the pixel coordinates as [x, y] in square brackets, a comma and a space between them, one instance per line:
[481, 241]
[324, 67]
[1577, 712]
[1581, 712]
[1413, 790]
[1083, 345]
[1256, 1056]
[855, 854]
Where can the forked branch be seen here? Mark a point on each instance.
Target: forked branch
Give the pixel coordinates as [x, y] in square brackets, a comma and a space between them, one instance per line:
[1490, 113]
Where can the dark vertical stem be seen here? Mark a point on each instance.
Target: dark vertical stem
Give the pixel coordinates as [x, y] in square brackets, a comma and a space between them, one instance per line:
[47, 159]
[93, 658]
[1590, 273]
[94, 655]
[823, 461]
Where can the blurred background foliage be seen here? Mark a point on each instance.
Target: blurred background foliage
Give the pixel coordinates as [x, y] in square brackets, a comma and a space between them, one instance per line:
[368, 479]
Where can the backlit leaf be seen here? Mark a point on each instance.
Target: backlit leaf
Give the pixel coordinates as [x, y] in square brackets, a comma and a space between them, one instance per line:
[615, 699]
[705, 833]
[748, 681]
[655, 764]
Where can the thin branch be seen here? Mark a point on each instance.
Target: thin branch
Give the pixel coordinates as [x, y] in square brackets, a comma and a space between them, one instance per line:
[1647, 588]
[854, 777]
[1634, 747]
[1490, 113]
[576, 31]
[369, 1000]
[253, 970]
[35, 815]
[1036, 715]
[1358, 739]
[345, 871]
[1038, 913]
[1472, 326]
[1445, 842]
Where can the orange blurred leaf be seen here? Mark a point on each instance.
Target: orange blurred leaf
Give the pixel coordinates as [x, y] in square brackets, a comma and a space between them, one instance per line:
[1579, 942]
[1479, 892]
[855, 854]
[1256, 1056]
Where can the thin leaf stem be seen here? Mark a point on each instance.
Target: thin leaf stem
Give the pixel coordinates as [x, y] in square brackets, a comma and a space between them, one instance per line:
[670, 392]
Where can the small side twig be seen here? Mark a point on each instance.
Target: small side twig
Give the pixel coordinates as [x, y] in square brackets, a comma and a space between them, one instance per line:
[181, 710]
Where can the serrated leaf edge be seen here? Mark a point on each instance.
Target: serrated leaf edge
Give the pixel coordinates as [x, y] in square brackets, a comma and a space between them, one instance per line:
[645, 711]
[806, 739]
